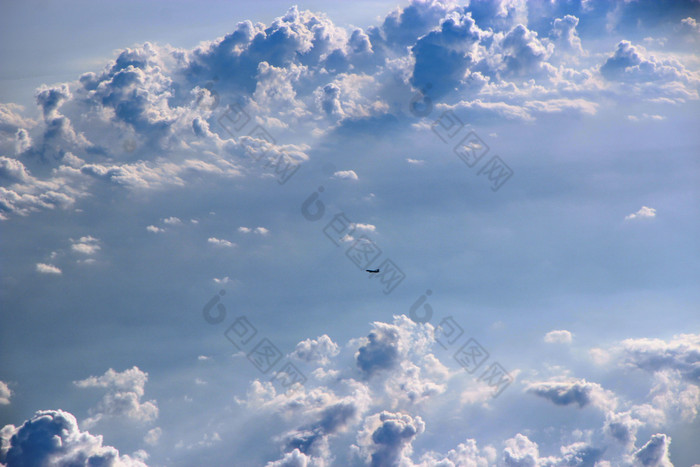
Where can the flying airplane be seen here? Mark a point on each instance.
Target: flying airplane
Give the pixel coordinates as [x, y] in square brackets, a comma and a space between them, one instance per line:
[372, 271]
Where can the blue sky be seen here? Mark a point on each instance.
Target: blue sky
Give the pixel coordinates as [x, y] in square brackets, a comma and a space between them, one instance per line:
[190, 194]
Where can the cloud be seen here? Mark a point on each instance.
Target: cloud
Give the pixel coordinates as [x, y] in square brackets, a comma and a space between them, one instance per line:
[665, 77]
[386, 437]
[318, 350]
[643, 213]
[574, 391]
[443, 56]
[415, 161]
[523, 53]
[558, 337]
[47, 268]
[52, 437]
[345, 175]
[256, 230]
[87, 245]
[565, 37]
[172, 221]
[655, 453]
[220, 242]
[364, 227]
[381, 351]
[5, 393]
[123, 398]
[646, 117]
[521, 452]
[681, 353]
[154, 229]
[153, 436]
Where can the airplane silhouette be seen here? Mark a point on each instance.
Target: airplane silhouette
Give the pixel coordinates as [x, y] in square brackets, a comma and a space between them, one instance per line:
[372, 271]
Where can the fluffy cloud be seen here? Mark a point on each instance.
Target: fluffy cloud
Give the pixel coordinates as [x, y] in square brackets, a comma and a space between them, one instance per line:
[558, 337]
[631, 64]
[346, 175]
[682, 353]
[318, 350]
[643, 213]
[385, 438]
[87, 245]
[5, 393]
[123, 398]
[52, 437]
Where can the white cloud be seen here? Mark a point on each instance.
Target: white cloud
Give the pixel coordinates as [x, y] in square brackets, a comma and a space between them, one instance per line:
[47, 268]
[123, 398]
[220, 242]
[5, 393]
[345, 175]
[599, 356]
[153, 436]
[172, 221]
[256, 230]
[643, 213]
[154, 229]
[415, 161]
[223, 280]
[364, 227]
[87, 245]
[558, 337]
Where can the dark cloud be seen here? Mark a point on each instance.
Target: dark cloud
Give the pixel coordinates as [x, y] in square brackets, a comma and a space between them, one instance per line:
[579, 392]
[655, 452]
[52, 437]
[381, 352]
[681, 353]
[387, 437]
[443, 56]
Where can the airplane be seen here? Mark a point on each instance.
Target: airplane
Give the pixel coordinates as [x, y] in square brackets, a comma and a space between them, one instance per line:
[372, 271]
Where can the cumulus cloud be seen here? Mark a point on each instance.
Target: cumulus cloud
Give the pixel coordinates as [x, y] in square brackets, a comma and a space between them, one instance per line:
[386, 437]
[123, 398]
[643, 213]
[558, 337]
[172, 220]
[154, 229]
[318, 350]
[52, 437]
[662, 77]
[681, 353]
[87, 245]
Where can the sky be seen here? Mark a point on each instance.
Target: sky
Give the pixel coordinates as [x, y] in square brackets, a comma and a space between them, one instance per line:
[191, 194]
